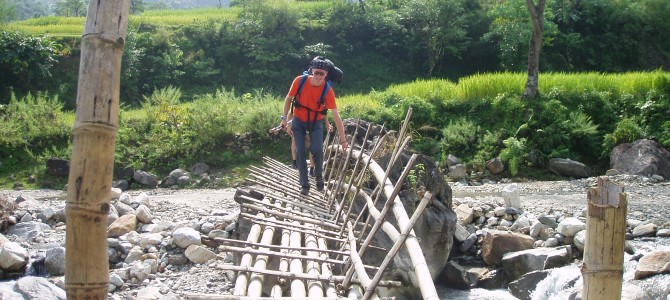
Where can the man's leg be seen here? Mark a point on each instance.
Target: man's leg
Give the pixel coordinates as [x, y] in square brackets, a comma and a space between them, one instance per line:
[316, 148]
[294, 164]
[299, 131]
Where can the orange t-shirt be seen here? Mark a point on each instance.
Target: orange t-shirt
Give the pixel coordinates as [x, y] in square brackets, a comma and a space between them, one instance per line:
[309, 97]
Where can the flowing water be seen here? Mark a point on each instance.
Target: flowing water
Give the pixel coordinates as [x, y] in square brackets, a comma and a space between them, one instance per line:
[566, 281]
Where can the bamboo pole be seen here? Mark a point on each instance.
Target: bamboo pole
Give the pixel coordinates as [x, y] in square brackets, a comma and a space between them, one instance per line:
[326, 269]
[602, 270]
[277, 290]
[397, 244]
[300, 275]
[291, 217]
[357, 263]
[256, 283]
[314, 287]
[243, 278]
[252, 201]
[292, 226]
[92, 162]
[282, 247]
[296, 266]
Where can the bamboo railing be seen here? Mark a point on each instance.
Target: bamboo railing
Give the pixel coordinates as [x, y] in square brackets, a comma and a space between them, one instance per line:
[322, 239]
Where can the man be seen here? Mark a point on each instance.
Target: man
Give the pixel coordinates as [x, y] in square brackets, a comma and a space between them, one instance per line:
[307, 115]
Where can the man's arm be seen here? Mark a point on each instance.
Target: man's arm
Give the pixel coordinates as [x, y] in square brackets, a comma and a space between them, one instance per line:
[340, 128]
[285, 115]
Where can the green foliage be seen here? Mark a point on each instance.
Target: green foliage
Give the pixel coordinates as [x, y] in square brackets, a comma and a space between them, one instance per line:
[515, 153]
[25, 61]
[626, 131]
[460, 137]
[7, 11]
[71, 8]
[29, 126]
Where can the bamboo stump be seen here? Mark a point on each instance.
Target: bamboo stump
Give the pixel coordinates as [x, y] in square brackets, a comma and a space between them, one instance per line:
[602, 269]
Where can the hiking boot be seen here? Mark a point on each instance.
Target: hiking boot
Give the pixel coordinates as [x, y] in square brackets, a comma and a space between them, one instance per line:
[294, 165]
[319, 185]
[304, 191]
[311, 171]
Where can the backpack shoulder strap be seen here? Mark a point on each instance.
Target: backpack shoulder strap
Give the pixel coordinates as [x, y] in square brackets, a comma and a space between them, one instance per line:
[295, 102]
[322, 99]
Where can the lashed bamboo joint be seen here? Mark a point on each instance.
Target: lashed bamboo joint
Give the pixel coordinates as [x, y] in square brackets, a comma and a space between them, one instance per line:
[319, 240]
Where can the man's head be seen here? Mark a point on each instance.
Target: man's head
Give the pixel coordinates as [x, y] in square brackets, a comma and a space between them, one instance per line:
[321, 64]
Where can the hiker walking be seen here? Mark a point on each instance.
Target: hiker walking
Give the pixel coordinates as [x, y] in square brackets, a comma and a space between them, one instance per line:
[309, 97]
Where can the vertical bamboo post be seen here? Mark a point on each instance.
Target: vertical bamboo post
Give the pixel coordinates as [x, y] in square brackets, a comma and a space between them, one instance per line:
[602, 269]
[92, 162]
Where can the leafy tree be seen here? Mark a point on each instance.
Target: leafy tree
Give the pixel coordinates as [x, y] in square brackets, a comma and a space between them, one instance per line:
[511, 28]
[7, 11]
[271, 38]
[25, 60]
[71, 8]
[26, 9]
[435, 27]
[136, 6]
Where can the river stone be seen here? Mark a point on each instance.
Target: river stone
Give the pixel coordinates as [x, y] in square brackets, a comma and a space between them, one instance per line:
[656, 262]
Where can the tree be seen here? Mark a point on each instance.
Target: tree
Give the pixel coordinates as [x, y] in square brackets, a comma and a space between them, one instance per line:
[136, 6]
[436, 27]
[71, 8]
[534, 47]
[24, 60]
[7, 11]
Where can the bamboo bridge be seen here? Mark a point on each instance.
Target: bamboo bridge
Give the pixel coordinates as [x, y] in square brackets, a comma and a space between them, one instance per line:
[311, 247]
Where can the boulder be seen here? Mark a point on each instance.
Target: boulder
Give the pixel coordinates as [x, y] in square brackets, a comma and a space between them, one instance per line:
[642, 157]
[657, 262]
[518, 263]
[58, 167]
[497, 243]
[569, 168]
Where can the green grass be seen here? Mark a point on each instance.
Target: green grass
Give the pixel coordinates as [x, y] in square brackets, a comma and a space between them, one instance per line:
[74, 26]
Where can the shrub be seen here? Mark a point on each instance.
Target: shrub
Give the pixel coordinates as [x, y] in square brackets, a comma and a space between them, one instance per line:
[627, 131]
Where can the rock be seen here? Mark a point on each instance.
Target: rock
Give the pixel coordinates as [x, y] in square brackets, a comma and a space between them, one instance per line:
[497, 243]
[27, 230]
[495, 166]
[656, 262]
[456, 276]
[570, 226]
[642, 157]
[146, 179]
[38, 288]
[199, 254]
[464, 214]
[58, 167]
[645, 230]
[510, 194]
[569, 168]
[143, 214]
[458, 172]
[13, 257]
[184, 237]
[519, 263]
[54, 261]
[7, 291]
[526, 284]
[199, 169]
[122, 226]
